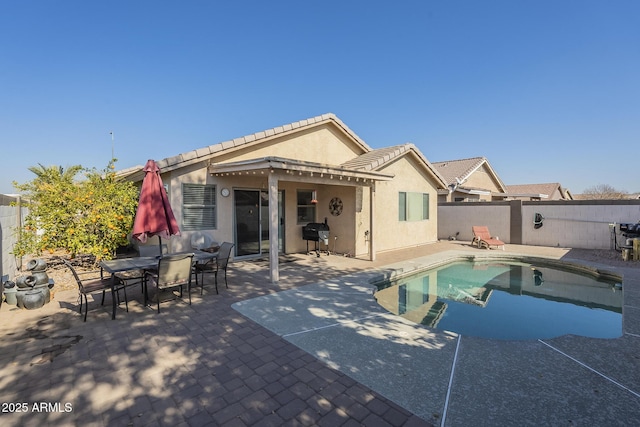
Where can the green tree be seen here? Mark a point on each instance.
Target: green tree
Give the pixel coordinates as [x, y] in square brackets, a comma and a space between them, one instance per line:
[90, 216]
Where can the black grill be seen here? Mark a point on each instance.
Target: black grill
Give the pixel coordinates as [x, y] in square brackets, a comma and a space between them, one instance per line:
[630, 231]
[316, 232]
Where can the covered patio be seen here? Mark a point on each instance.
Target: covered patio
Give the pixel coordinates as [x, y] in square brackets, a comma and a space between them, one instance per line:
[272, 171]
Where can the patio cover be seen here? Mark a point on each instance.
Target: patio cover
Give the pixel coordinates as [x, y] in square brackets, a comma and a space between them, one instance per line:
[276, 169]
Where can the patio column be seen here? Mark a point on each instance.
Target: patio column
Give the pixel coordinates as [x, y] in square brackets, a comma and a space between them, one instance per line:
[273, 228]
[372, 200]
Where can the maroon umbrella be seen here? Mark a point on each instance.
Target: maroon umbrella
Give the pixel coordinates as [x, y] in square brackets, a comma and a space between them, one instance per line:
[154, 216]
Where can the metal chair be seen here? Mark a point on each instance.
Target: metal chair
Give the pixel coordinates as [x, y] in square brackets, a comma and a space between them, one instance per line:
[174, 271]
[219, 263]
[94, 284]
[203, 242]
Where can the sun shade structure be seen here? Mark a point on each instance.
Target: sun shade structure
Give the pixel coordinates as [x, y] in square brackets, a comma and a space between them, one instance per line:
[154, 216]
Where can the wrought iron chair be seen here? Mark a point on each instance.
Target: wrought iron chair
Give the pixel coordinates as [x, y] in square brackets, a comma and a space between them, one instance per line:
[217, 264]
[174, 271]
[94, 284]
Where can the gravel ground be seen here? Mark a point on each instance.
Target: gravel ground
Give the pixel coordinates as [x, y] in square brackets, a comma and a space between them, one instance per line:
[60, 273]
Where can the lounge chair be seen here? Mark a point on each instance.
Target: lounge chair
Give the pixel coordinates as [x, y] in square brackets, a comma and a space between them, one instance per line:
[482, 237]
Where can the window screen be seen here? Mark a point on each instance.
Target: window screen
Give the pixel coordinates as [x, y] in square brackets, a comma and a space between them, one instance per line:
[198, 207]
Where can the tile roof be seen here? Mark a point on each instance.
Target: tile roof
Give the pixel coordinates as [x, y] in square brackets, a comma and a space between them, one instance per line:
[369, 161]
[547, 189]
[206, 152]
[189, 157]
[460, 169]
[539, 189]
[376, 159]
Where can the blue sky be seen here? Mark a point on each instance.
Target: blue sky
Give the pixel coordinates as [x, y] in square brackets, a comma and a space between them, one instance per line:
[547, 90]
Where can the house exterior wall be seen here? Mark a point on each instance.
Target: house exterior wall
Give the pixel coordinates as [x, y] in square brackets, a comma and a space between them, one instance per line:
[390, 232]
[481, 178]
[457, 195]
[347, 231]
[322, 144]
[341, 226]
[571, 224]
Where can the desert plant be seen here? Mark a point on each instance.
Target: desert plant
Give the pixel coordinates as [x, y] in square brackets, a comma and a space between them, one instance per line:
[90, 216]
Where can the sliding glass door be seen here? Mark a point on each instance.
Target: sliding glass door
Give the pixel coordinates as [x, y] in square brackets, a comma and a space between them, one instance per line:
[251, 211]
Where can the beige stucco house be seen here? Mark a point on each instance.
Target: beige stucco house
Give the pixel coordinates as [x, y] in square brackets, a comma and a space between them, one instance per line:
[546, 191]
[469, 180]
[258, 191]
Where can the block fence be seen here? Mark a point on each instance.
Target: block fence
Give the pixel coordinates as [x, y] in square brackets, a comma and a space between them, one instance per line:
[10, 218]
[583, 224]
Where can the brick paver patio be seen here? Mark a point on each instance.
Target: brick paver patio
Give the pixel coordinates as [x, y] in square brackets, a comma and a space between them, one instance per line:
[199, 365]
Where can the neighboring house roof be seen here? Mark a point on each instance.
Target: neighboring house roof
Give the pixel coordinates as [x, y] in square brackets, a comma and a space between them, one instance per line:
[542, 191]
[456, 172]
[368, 163]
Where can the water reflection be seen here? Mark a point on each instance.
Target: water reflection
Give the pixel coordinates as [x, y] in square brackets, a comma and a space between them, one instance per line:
[507, 301]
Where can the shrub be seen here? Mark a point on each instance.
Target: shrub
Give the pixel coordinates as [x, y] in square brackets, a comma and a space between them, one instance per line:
[91, 216]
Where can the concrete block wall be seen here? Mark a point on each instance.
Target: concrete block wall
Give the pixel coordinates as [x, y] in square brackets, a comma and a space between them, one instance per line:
[460, 217]
[572, 224]
[8, 224]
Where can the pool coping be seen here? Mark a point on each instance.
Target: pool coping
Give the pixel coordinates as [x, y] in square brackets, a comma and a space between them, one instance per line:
[429, 372]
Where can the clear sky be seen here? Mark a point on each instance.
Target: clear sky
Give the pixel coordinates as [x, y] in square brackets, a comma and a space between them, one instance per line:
[546, 90]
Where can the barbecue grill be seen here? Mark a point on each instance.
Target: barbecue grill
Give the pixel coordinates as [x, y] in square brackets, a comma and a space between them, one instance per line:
[316, 232]
[630, 231]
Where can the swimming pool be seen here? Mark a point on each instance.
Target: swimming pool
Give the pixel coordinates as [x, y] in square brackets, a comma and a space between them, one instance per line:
[507, 300]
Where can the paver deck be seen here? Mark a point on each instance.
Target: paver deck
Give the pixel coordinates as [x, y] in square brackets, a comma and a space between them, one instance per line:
[207, 364]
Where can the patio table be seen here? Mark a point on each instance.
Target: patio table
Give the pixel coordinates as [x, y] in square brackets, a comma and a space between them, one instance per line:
[121, 265]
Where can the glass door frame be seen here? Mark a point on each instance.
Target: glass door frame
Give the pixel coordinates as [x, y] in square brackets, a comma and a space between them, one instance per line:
[261, 240]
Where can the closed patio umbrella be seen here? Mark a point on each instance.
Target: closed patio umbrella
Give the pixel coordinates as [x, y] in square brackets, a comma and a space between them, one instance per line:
[154, 216]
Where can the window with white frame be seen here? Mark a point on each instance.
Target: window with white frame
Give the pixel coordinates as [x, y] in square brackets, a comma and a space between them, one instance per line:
[198, 207]
[306, 206]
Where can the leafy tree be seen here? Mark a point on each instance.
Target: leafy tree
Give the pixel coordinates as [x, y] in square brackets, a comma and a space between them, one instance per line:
[91, 216]
[604, 191]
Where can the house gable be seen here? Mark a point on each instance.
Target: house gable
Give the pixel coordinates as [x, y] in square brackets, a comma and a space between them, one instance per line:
[380, 159]
[315, 139]
[472, 178]
[323, 143]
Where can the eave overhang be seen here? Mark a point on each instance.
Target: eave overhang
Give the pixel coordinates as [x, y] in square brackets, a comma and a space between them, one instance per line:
[297, 168]
[476, 191]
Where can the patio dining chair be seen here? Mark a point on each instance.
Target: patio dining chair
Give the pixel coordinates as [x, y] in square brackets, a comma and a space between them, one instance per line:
[174, 271]
[96, 283]
[219, 263]
[203, 242]
[137, 276]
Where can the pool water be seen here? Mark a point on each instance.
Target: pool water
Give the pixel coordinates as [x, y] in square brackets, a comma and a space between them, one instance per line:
[507, 300]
